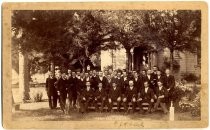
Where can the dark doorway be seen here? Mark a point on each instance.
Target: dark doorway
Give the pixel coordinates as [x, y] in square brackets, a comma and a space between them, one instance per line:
[140, 58]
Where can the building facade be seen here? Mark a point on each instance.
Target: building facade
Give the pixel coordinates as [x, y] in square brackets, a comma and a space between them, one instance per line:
[142, 59]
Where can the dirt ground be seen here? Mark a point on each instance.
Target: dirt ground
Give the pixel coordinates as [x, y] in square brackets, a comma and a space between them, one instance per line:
[39, 111]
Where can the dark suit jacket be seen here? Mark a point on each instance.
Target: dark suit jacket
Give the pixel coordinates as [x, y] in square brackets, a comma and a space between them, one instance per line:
[89, 95]
[103, 81]
[138, 84]
[156, 79]
[73, 88]
[131, 93]
[62, 85]
[114, 94]
[119, 82]
[169, 82]
[108, 85]
[94, 82]
[50, 86]
[161, 92]
[124, 84]
[147, 95]
[81, 85]
[151, 82]
[100, 94]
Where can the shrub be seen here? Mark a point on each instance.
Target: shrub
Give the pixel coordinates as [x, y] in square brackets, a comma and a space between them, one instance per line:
[189, 98]
[37, 97]
[190, 77]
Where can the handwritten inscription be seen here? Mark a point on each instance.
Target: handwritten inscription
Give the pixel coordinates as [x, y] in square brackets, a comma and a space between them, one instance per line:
[124, 124]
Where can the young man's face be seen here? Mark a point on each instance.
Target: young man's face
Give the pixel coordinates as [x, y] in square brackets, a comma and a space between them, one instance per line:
[130, 83]
[108, 77]
[78, 73]
[69, 71]
[155, 68]
[135, 75]
[159, 84]
[167, 71]
[86, 74]
[158, 73]
[51, 74]
[94, 72]
[118, 74]
[100, 74]
[73, 74]
[146, 84]
[149, 72]
[91, 73]
[113, 85]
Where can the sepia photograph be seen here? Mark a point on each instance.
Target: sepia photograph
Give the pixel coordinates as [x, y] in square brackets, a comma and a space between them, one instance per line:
[128, 66]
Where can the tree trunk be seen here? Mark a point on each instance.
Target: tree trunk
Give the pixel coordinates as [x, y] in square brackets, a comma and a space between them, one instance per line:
[128, 59]
[171, 59]
[23, 77]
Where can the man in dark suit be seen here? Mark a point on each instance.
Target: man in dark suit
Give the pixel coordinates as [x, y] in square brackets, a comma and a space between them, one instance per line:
[154, 71]
[125, 80]
[81, 84]
[100, 97]
[169, 84]
[51, 91]
[73, 83]
[114, 75]
[150, 79]
[109, 83]
[161, 95]
[119, 81]
[146, 96]
[137, 82]
[101, 79]
[86, 98]
[61, 85]
[91, 80]
[156, 78]
[143, 76]
[130, 96]
[114, 96]
[94, 80]
[68, 73]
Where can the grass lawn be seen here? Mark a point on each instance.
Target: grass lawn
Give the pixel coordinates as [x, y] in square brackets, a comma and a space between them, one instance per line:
[40, 112]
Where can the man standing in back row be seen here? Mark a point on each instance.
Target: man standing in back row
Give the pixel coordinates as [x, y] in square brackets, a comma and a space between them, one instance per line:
[169, 84]
[51, 91]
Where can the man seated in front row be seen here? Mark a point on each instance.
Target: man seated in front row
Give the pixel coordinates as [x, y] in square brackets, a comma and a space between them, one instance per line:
[86, 98]
[161, 95]
[146, 96]
[130, 96]
[100, 97]
[114, 96]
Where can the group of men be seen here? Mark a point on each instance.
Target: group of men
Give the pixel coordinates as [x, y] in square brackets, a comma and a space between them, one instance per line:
[104, 89]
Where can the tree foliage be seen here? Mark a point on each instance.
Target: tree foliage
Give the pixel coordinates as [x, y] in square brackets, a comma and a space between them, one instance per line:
[69, 36]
